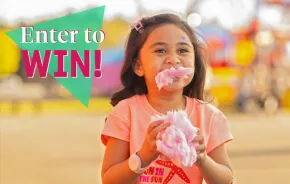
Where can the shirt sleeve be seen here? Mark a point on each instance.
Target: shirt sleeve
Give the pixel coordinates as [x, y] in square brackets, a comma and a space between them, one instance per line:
[117, 123]
[219, 132]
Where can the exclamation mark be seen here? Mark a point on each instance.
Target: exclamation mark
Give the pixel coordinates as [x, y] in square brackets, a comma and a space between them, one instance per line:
[98, 62]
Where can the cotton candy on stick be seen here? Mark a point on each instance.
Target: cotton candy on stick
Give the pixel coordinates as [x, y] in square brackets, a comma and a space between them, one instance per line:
[168, 75]
[175, 142]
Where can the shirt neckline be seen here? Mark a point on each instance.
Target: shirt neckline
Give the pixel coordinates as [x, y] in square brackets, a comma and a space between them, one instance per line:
[146, 105]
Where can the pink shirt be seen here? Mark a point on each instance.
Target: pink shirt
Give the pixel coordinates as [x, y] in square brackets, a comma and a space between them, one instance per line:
[129, 120]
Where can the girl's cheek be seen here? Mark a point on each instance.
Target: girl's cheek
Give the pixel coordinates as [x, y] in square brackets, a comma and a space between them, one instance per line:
[152, 68]
[156, 62]
[188, 61]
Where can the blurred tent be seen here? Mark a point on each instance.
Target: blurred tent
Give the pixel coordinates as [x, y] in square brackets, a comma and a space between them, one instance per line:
[244, 52]
[284, 2]
[9, 54]
[217, 41]
[116, 31]
[111, 66]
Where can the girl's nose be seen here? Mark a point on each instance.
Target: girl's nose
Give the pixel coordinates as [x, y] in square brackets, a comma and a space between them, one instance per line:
[172, 59]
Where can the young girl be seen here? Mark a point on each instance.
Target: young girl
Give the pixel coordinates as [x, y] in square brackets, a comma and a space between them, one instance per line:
[155, 44]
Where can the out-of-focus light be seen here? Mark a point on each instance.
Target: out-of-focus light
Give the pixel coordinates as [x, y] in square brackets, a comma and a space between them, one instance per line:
[194, 20]
[251, 106]
[281, 81]
[271, 105]
[270, 15]
[207, 12]
[288, 49]
[231, 15]
[264, 38]
[12, 82]
[153, 6]
[244, 52]
[226, 21]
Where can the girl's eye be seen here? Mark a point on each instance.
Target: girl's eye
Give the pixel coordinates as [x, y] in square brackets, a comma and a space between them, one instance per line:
[183, 50]
[161, 51]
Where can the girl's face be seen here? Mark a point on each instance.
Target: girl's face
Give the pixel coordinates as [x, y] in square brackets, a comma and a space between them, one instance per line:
[167, 46]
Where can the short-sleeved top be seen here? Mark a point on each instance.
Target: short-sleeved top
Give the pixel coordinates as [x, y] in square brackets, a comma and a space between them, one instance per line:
[130, 118]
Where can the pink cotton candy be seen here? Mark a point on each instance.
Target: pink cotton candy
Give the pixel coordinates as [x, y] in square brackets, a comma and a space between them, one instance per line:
[175, 142]
[167, 76]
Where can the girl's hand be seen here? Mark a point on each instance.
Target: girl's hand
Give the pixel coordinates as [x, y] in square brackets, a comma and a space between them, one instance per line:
[148, 152]
[201, 150]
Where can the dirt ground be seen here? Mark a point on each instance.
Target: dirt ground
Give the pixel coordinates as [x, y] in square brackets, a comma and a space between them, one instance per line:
[66, 149]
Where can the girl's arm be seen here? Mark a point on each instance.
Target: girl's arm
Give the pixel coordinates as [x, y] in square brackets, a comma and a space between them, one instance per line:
[115, 165]
[216, 167]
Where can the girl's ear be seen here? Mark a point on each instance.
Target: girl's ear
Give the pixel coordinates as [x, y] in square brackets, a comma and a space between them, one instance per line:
[138, 69]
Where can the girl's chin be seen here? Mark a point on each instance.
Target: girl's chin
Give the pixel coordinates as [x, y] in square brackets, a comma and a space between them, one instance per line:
[175, 86]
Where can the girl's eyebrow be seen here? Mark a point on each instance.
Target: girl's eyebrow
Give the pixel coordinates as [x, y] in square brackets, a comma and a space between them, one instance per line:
[184, 43]
[163, 43]
[158, 44]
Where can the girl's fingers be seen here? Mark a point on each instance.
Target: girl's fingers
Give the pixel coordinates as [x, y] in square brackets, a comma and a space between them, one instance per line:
[199, 139]
[198, 131]
[200, 148]
[153, 125]
[156, 130]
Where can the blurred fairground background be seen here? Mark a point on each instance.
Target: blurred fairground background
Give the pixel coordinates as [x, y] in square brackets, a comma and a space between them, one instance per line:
[47, 136]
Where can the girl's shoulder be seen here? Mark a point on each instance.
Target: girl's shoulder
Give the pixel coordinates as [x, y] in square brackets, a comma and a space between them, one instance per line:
[133, 100]
[204, 106]
[123, 109]
[128, 103]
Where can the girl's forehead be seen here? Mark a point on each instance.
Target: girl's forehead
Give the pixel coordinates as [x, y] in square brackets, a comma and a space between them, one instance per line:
[167, 33]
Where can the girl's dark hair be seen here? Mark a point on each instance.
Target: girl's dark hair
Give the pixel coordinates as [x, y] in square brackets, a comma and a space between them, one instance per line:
[133, 84]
